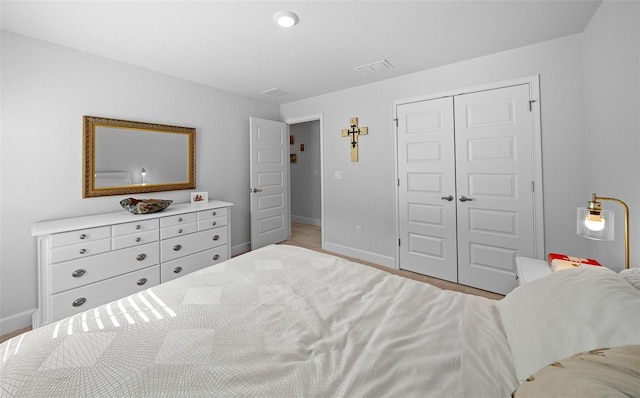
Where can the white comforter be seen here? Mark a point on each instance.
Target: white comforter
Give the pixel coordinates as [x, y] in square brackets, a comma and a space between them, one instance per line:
[281, 321]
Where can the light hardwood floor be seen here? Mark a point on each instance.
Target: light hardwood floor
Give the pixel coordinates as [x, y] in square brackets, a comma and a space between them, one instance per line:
[309, 236]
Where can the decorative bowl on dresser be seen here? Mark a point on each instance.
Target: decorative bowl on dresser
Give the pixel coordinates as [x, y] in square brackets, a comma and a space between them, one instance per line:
[84, 262]
[144, 206]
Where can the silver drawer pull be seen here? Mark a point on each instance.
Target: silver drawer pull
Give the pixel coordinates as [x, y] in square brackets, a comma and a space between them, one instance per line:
[138, 226]
[177, 270]
[216, 237]
[138, 239]
[83, 251]
[141, 257]
[180, 231]
[214, 223]
[217, 256]
[141, 281]
[177, 247]
[180, 219]
[79, 302]
[78, 273]
[83, 236]
[214, 213]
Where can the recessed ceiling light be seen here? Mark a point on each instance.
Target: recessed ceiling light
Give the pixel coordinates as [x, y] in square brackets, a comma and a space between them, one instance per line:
[286, 19]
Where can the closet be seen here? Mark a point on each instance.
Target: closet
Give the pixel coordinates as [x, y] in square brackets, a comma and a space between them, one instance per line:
[467, 200]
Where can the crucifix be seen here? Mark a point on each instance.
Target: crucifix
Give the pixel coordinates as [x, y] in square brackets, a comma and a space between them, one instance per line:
[354, 131]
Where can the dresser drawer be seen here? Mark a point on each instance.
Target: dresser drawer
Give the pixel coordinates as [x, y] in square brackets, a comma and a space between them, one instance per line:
[85, 249]
[140, 238]
[178, 230]
[173, 248]
[212, 223]
[185, 265]
[177, 220]
[207, 214]
[73, 274]
[80, 236]
[84, 298]
[135, 227]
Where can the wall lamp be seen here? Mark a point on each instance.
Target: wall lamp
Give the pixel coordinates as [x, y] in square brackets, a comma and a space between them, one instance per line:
[593, 222]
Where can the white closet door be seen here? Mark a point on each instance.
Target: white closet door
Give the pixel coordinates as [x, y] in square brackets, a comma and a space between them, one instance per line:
[426, 172]
[494, 166]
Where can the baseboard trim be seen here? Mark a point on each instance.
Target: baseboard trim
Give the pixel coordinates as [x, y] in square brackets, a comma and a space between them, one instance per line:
[375, 258]
[15, 322]
[306, 220]
[241, 248]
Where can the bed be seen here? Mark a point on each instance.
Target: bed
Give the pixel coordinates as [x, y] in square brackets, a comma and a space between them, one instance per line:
[284, 321]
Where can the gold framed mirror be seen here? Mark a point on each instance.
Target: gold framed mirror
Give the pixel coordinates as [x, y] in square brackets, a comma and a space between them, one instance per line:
[125, 157]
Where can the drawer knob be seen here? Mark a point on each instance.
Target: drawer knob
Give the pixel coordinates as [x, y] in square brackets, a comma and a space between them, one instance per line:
[83, 251]
[138, 239]
[214, 223]
[180, 231]
[138, 226]
[180, 219]
[141, 257]
[216, 237]
[78, 273]
[141, 281]
[83, 236]
[177, 270]
[79, 302]
[214, 213]
[217, 256]
[177, 247]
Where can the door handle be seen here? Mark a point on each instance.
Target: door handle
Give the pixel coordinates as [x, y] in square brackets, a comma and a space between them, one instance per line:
[448, 198]
[464, 199]
[254, 190]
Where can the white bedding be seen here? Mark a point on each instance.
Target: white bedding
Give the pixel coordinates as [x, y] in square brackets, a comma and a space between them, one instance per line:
[280, 321]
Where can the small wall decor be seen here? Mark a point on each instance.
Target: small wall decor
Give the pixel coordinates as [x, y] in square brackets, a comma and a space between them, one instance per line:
[290, 140]
[354, 131]
[301, 147]
[293, 158]
[199, 197]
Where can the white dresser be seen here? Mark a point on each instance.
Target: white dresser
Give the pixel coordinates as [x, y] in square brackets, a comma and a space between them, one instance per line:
[84, 262]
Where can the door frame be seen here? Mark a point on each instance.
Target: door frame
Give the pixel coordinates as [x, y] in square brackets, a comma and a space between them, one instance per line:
[311, 118]
[534, 96]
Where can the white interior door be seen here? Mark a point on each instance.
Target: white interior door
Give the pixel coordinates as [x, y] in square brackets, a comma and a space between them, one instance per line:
[269, 182]
[494, 167]
[426, 188]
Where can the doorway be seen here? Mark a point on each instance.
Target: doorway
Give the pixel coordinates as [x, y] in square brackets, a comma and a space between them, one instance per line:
[305, 176]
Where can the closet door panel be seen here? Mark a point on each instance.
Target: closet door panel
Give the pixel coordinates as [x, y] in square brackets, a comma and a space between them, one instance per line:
[494, 137]
[426, 170]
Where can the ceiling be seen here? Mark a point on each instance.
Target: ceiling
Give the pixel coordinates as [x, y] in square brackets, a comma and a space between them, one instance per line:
[235, 45]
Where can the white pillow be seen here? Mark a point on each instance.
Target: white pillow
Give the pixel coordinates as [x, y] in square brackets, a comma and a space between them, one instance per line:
[632, 275]
[568, 312]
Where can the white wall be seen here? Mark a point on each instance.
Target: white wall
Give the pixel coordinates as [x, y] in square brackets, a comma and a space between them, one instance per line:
[46, 89]
[612, 120]
[365, 194]
[305, 173]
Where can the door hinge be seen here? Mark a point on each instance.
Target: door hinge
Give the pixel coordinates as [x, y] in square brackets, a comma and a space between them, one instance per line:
[533, 186]
[399, 243]
[531, 105]
[396, 120]
[398, 182]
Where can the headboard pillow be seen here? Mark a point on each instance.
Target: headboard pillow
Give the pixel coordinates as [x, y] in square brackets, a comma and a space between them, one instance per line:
[604, 372]
[632, 275]
[568, 312]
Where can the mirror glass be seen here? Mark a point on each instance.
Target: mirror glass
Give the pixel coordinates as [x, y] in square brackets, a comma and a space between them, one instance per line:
[125, 157]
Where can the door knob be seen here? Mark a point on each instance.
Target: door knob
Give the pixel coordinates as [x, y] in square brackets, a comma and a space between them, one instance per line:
[464, 199]
[254, 190]
[447, 198]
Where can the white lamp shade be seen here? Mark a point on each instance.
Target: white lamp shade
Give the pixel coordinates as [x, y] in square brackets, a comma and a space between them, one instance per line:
[593, 227]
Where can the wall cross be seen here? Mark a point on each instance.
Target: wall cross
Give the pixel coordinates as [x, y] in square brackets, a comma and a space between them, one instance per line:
[354, 131]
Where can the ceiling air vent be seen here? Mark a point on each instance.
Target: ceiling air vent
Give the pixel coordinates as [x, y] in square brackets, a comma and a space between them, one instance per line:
[374, 67]
[275, 92]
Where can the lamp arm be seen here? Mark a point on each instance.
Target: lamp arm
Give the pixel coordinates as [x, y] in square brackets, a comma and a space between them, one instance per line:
[626, 223]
